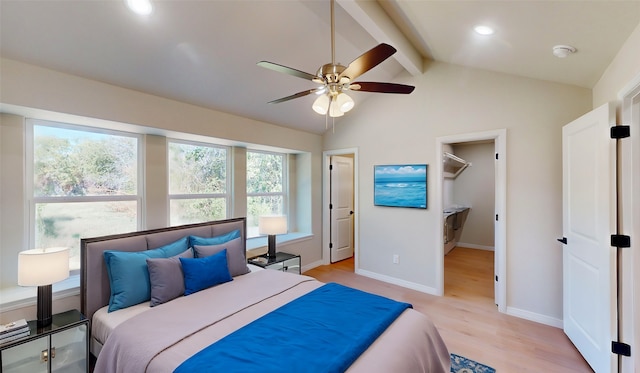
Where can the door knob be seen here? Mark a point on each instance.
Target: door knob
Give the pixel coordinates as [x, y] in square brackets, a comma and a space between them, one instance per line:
[563, 240]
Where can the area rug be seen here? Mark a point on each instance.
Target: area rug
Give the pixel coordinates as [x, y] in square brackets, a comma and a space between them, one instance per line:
[460, 364]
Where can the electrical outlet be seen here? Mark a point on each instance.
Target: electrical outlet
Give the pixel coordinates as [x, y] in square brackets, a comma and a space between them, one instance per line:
[396, 258]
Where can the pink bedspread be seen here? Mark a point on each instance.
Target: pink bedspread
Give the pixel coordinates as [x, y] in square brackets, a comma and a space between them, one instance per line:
[160, 339]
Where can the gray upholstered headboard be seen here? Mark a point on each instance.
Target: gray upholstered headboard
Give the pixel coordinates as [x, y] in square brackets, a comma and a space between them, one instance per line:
[94, 280]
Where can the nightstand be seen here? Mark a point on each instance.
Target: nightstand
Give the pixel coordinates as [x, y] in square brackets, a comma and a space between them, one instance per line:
[62, 346]
[282, 262]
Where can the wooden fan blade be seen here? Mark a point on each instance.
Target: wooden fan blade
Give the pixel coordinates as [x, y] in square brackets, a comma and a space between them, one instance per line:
[299, 94]
[381, 87]
[286, 70]
[368, 61]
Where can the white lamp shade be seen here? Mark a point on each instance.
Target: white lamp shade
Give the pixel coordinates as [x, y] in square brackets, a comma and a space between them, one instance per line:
[334, 109]
[345, 103]
[272, 225]
[40, 267]
[321, 104]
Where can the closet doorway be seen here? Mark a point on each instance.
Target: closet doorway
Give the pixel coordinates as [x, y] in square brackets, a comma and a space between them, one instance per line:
[469, 216]
[490, 147]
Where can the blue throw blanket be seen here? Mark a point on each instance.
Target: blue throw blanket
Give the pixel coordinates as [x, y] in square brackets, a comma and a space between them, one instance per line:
[325, 330]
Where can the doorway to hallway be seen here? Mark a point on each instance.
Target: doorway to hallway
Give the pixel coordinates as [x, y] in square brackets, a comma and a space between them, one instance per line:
[340, 208]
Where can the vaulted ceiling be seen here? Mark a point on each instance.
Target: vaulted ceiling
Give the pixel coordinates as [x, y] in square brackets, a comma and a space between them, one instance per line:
[205, 52]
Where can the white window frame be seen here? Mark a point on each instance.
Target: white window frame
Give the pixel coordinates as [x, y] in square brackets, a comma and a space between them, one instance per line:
[228, 185]
[29, 170]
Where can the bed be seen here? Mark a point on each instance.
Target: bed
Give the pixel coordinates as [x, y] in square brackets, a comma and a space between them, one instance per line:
[221, 323]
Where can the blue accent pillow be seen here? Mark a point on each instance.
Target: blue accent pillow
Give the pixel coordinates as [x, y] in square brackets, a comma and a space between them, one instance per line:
[203, 273]
[216, 240]
[129, 274]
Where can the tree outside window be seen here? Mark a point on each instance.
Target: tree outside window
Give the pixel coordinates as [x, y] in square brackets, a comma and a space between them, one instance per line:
[85, 184]
[266, 187]
[198, 182]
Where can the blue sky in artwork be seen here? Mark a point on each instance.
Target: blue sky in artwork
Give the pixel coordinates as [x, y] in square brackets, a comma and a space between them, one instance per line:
[401, 173]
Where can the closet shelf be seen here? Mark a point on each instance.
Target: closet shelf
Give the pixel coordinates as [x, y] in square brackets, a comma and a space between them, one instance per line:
[453, 165]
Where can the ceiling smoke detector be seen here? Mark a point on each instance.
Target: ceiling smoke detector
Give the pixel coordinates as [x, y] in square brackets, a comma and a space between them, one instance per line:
[562, 51]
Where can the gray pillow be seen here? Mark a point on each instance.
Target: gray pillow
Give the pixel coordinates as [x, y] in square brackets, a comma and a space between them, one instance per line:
[236, 256]
[166, 278]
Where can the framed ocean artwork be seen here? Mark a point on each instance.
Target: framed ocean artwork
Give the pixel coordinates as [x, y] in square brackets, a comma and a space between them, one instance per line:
[402, 185]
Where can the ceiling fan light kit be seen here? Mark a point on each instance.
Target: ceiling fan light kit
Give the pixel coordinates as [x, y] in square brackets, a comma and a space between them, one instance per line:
[336, 79]
[336, 105]
[345, 103]
[334, 109]
[321, 104]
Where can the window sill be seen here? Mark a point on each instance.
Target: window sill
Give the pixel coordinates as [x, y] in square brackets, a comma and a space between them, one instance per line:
[257, 244]
[24, 296]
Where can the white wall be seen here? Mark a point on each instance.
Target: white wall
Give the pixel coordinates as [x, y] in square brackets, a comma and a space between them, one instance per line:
[47, 94]
[451, 100]
[624, 68]
[447, 183]
[12, 206]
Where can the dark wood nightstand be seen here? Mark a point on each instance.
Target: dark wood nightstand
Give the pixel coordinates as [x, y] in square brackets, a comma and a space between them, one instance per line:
[62, 346]
[282, 262]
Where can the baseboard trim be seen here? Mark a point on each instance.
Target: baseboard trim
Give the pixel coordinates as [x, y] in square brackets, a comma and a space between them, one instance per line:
[536, 317]
[313, 265]
[399, 282]
[474, 246]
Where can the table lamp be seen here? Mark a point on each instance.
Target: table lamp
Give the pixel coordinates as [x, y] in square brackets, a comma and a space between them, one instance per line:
[41, 268]
[272, 225]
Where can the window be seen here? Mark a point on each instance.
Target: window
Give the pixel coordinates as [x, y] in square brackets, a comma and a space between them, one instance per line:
[85, 183]
[266, 187]
[198, 182]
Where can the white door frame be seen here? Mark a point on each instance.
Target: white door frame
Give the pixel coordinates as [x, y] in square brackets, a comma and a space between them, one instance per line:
[326, 189]
[500, 143]
[630, 217]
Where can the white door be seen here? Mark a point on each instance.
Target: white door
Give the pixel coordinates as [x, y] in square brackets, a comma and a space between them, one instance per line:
[589, 278]
[341, 211]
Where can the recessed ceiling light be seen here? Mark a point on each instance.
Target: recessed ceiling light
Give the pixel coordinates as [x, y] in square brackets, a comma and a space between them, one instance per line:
[483, 30]
[142, 7]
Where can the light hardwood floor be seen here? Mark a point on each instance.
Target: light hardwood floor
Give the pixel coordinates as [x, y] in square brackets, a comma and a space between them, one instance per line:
[468, 319]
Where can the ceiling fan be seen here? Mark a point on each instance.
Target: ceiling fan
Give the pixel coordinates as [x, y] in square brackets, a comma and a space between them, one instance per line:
[336, 79]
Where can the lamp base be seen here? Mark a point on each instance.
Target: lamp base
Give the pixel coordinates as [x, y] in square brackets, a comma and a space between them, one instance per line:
[271, 253]
[44, 306]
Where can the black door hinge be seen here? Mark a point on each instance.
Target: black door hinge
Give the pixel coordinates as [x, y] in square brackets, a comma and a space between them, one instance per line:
[620, 132]
[496, 156]
[620, 240]
[620, 348]
[330, 206]
[496, 217]
[330, 245]
[330, 167]
[496, 278]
